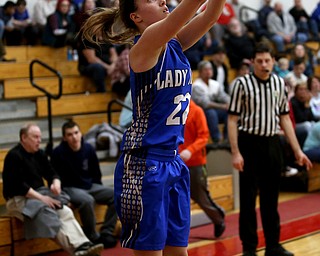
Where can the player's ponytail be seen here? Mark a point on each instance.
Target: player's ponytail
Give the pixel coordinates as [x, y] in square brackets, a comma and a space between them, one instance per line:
[110, 25]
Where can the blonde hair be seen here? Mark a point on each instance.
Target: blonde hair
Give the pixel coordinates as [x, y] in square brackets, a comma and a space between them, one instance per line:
[111, 25]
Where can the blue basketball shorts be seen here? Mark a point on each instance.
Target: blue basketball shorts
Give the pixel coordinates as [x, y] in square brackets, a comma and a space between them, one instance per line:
[152, 199]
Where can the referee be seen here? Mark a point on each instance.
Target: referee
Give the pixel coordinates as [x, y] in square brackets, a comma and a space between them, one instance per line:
[258, 107]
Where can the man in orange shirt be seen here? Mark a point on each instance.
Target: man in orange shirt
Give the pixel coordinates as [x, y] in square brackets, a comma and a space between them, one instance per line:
[193, 153]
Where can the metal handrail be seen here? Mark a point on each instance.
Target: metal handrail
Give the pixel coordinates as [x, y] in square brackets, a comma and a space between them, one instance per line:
[49, 96]
[242, 11]
[109, 112]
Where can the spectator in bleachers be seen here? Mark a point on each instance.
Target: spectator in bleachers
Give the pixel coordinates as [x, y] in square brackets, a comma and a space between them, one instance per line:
[193, 153]
[3, 21]
[263, 13]
[83, 13]
[6, 17]
[41, 11]
[314, 88]
[283, 29]
[281, 67]
[96, 62]
[220, 69]
[297, 76]
[43, 209]
[211, 96]
[105, 3]
[3, 49]
[23, 31]
[196, 52]
[316, 15]
[77, 164]
[60, 29]
[243, 69]
[311, 146]
[303, 115]
[76, 6]
[120, 77]
[239, 45]
[303, 21]
[299, 51]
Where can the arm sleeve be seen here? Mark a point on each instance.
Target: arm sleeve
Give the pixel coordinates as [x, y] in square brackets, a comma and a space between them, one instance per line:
[49, 172]
[235, 100]
[13, 183]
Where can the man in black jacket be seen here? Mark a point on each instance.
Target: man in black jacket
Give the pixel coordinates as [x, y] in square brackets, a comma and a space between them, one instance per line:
[77, 164]
[25, 167]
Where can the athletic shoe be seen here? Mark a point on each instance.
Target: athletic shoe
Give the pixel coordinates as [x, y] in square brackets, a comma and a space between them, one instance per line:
[88, 249]
[219, 229]
[278, 251]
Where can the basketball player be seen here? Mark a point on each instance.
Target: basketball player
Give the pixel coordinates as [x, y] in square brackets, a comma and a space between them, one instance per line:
[151, 181]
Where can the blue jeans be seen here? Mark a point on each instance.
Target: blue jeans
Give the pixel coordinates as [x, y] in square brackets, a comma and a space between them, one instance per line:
[313, 154]
[98, 74]
[214, 118]
[280, 44]
[1, 29]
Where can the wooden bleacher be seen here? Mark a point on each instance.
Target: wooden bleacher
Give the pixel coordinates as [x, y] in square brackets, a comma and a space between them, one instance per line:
[314, 178]
[75, 104]
[26, 53]
[21, 88]
[79, 95]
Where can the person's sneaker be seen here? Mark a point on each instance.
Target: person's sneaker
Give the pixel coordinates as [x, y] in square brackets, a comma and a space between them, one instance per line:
[249, 253]
[278, 251]
[88, 249]
[290, 171]
[108, 241]
[219, 229]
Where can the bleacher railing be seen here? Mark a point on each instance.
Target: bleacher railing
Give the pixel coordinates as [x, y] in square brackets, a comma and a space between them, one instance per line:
[110, 111]
[49, 96]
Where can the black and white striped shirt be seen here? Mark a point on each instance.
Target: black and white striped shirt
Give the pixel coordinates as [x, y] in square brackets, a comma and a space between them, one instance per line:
[259, 104]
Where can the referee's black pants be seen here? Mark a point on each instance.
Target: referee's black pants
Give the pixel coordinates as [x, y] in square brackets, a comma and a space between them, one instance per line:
[262, 166]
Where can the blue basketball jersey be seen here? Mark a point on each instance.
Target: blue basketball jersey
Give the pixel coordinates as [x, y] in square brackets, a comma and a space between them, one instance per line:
[160, 98]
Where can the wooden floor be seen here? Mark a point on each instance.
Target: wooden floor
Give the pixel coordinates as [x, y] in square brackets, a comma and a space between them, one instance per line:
[305, 245]
[302, 245]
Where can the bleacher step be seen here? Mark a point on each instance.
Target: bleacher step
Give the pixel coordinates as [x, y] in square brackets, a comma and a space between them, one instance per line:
[17, 109]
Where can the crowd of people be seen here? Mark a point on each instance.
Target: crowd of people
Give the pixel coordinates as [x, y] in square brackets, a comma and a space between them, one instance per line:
[152, 184]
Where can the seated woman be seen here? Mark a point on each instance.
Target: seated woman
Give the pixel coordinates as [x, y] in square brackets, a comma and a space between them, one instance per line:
[59, 30]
